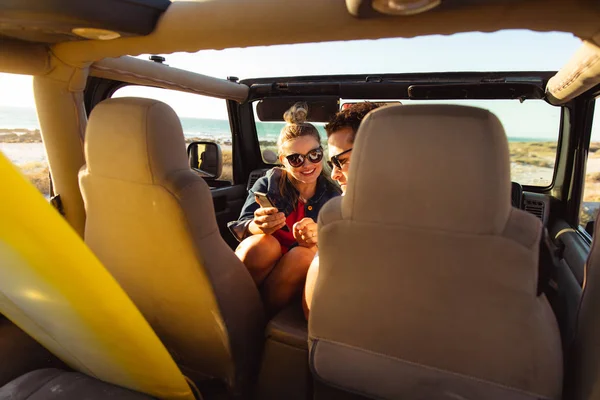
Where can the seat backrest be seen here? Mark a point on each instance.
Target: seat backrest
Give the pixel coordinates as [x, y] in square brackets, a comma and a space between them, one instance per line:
[583, 365]
[427, 282]
[151, 221]
[56, 290]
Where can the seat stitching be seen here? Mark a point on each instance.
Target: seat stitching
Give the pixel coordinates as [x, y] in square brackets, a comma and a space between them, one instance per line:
[568, 80]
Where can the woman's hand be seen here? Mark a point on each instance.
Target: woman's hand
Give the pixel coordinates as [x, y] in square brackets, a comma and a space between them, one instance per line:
[266, 221]
[305, 232]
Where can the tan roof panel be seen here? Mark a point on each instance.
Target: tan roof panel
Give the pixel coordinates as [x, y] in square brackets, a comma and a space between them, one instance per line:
[217, 24]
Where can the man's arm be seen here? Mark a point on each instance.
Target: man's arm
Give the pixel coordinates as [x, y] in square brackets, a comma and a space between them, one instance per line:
[309, 287]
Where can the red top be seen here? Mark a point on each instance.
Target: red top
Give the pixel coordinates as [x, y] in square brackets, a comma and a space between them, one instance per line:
[286, 239]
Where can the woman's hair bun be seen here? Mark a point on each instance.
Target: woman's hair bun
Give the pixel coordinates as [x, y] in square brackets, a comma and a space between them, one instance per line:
[296, 114]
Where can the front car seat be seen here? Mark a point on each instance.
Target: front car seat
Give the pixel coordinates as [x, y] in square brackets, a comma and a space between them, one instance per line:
[57, 384]
[428, 276]
[151, 221]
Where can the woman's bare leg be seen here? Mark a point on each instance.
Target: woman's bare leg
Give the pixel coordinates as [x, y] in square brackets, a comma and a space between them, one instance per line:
[259, 253]
[286, 280]
[309, 286]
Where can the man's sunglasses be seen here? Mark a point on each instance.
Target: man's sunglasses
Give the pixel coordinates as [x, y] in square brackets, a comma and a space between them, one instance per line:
[336, 161]
[314, 156]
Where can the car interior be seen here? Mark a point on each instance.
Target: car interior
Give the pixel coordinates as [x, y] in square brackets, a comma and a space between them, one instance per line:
[124, 282]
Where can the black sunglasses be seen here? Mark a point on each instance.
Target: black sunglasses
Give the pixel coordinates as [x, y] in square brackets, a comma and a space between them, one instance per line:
[314, 156]
[336, 161]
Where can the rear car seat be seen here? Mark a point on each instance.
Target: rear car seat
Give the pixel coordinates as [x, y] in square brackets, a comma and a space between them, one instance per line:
[284, 372]
[254, 176]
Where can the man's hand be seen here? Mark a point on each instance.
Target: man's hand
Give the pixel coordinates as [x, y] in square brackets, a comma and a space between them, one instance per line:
[305, 232]
[266, 220]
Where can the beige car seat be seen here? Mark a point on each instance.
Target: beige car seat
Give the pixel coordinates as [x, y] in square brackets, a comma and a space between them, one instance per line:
[428, 276]
[151, 221]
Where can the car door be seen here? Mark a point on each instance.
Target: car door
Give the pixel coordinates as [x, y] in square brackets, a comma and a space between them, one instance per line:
[571, 228]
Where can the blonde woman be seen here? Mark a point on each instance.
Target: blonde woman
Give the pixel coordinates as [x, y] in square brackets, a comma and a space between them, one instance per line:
[278, 243]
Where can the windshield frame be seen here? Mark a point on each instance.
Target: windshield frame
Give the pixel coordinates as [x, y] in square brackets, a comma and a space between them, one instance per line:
[520, 85]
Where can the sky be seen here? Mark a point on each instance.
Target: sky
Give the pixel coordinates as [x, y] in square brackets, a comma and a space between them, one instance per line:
[500, 51]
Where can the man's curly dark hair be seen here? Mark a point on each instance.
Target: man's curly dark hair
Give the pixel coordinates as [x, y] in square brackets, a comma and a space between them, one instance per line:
[350, 117]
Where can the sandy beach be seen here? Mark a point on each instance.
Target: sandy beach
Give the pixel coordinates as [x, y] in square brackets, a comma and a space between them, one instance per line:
[25, 149]
[532, 163]
[24, 153]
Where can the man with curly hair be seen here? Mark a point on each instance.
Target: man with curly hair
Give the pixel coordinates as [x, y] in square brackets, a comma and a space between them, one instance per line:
[341, 133]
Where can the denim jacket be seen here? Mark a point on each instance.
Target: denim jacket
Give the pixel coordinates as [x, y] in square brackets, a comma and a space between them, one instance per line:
[269, 184]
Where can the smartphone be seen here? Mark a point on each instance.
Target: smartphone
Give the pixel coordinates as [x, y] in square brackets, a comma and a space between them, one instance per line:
[263, 200]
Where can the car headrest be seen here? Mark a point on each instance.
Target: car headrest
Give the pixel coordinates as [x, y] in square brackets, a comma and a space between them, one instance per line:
[134, 139]
[441, 167]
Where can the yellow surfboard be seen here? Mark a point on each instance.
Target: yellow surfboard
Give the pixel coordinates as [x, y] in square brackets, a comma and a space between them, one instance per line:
[55, 289]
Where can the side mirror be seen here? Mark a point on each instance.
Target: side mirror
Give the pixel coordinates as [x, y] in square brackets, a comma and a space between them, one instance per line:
[206, 158]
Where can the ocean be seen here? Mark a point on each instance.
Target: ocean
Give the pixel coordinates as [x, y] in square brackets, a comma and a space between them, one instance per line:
[17, 117]
[32, 155]
[204, 128]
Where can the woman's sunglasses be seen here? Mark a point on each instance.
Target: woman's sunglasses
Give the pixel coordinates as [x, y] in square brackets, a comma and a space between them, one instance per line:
[314, 156]
[336, 161]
